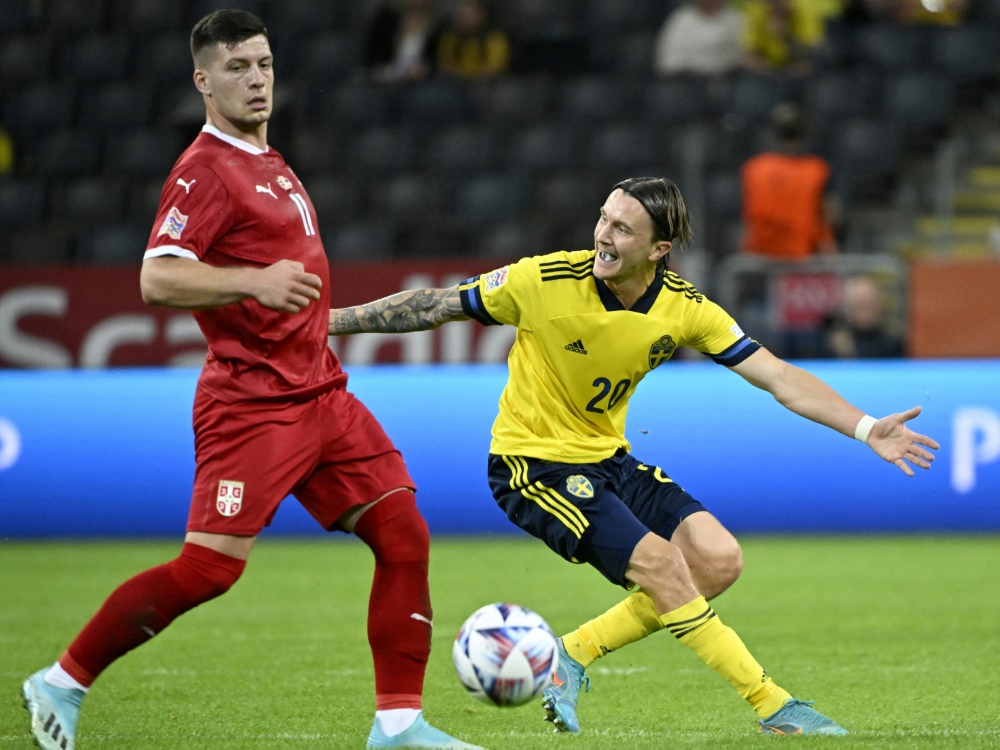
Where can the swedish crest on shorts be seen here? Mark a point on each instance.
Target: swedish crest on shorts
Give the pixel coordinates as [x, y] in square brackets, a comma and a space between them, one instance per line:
[579, 486]
[230, 498]
[661, 351]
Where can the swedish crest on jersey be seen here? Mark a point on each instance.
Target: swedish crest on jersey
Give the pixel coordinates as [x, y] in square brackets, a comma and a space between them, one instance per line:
[579, 486]
[661, 350]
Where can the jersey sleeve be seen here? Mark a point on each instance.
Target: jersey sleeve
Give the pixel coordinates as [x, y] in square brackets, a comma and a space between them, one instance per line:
[713, 331]
[194, 213]
[500, 296]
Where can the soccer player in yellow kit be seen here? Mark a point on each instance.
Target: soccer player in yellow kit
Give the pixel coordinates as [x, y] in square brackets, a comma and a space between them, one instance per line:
[590, 325]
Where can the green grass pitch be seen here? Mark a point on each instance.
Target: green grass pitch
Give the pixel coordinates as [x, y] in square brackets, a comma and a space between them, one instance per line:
[898, 638]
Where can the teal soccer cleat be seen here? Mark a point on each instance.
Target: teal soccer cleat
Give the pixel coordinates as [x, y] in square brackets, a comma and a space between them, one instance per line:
[559, 698]
[53, 710]
[799, 717]
[420, 735]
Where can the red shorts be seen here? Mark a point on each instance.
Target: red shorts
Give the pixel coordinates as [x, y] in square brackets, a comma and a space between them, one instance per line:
[330, 453]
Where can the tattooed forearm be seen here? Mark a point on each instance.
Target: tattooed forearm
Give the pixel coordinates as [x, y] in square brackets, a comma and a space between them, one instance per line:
[415, 310]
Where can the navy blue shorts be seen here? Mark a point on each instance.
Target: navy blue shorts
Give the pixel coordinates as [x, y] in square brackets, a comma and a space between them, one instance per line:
[590, 513]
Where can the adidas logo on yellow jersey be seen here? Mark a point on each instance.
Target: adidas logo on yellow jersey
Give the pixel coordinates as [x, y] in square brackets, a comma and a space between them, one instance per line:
[575, 346]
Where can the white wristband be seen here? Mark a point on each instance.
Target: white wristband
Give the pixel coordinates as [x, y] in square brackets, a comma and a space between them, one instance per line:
[864, 428]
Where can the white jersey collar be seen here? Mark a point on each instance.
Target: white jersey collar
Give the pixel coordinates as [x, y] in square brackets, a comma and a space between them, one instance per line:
[206, 128]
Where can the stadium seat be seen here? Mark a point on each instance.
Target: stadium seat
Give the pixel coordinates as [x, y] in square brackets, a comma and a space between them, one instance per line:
[112, 244]
[360, 241]
[460, 148]
[601, 17]
[866, 146]
[65, 153]
[94, 58]
[544, 146]
[510, 241]
[407, 196]
[723, 196]
[676, 99]
[336, 199]
[487, 198]
[889, 46]
[627, 149]
[90, 198]
[39, 109]
[69, 18]
[515, 100]
[143, 199]
[147, 152]
[381, 150]
[17, 17]
[753, 96]
[919, 101]
[165, 59]
[312, 150]
[24, 58]
[435, 102]
[966, 53]
[572, 196]
[37, 245]
[197, 9]
[324, 58]
[117, 106]
[352, 104]
[22, 201]
[831, 97]
[147, 17]
[591, 98]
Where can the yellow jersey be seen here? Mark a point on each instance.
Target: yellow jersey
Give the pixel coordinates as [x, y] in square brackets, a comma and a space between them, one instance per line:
[579, 355]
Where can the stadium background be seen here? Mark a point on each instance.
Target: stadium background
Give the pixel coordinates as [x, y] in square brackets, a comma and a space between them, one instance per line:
[433, 181]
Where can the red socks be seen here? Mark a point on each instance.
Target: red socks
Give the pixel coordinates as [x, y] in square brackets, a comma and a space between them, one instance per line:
[399, 610]
[144, 605]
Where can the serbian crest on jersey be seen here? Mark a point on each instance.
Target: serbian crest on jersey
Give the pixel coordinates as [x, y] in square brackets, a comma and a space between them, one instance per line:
[230, 498]
[495, 278]
[579, 486]
[284, 182]
[661, 351]
[174, 224]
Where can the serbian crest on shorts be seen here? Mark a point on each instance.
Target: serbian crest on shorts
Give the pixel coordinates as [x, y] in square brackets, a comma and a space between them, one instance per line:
[661, 351]
[230, 498]
[579, 486]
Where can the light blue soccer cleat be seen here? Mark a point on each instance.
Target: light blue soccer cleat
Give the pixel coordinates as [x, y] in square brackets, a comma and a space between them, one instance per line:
[559, 698]
[799, 717]
[420, 735]
[53, 710]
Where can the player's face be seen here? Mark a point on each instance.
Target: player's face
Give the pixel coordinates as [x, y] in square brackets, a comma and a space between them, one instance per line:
[238, 82]
[624, 241]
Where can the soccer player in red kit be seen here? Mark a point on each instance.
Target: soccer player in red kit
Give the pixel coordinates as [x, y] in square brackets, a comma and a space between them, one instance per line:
[235, 240]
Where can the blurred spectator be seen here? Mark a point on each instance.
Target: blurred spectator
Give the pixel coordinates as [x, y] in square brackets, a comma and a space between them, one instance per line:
[783, 34]
[6, 152]
[702, 37]
[858, 329]
[787, 212]
[401, 40]
[942, 12]
[471, 45]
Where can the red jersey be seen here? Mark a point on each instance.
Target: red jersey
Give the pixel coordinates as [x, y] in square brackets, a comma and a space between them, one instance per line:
[227, 203]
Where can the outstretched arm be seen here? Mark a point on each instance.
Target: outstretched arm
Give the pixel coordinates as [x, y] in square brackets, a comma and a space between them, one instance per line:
[808, 396]
[413, 310]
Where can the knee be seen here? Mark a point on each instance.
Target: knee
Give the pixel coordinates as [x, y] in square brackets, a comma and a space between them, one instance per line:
[723, 565]
[204, 573]
[395, 530]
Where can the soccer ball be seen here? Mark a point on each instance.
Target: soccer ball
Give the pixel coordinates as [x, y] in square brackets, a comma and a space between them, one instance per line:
[505, 654]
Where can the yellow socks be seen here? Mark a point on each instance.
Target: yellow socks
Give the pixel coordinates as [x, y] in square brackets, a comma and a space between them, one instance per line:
[697, 627]
[626, 622]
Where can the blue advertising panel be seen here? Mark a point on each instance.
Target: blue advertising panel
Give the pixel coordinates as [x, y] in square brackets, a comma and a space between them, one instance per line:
[110, 453]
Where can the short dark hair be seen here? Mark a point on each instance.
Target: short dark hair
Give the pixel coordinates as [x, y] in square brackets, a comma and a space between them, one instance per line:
[228, 27]
[664, 203]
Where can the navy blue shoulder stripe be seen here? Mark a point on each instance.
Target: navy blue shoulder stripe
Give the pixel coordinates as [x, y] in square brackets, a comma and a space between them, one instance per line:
[737, 352]
[472, 305]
